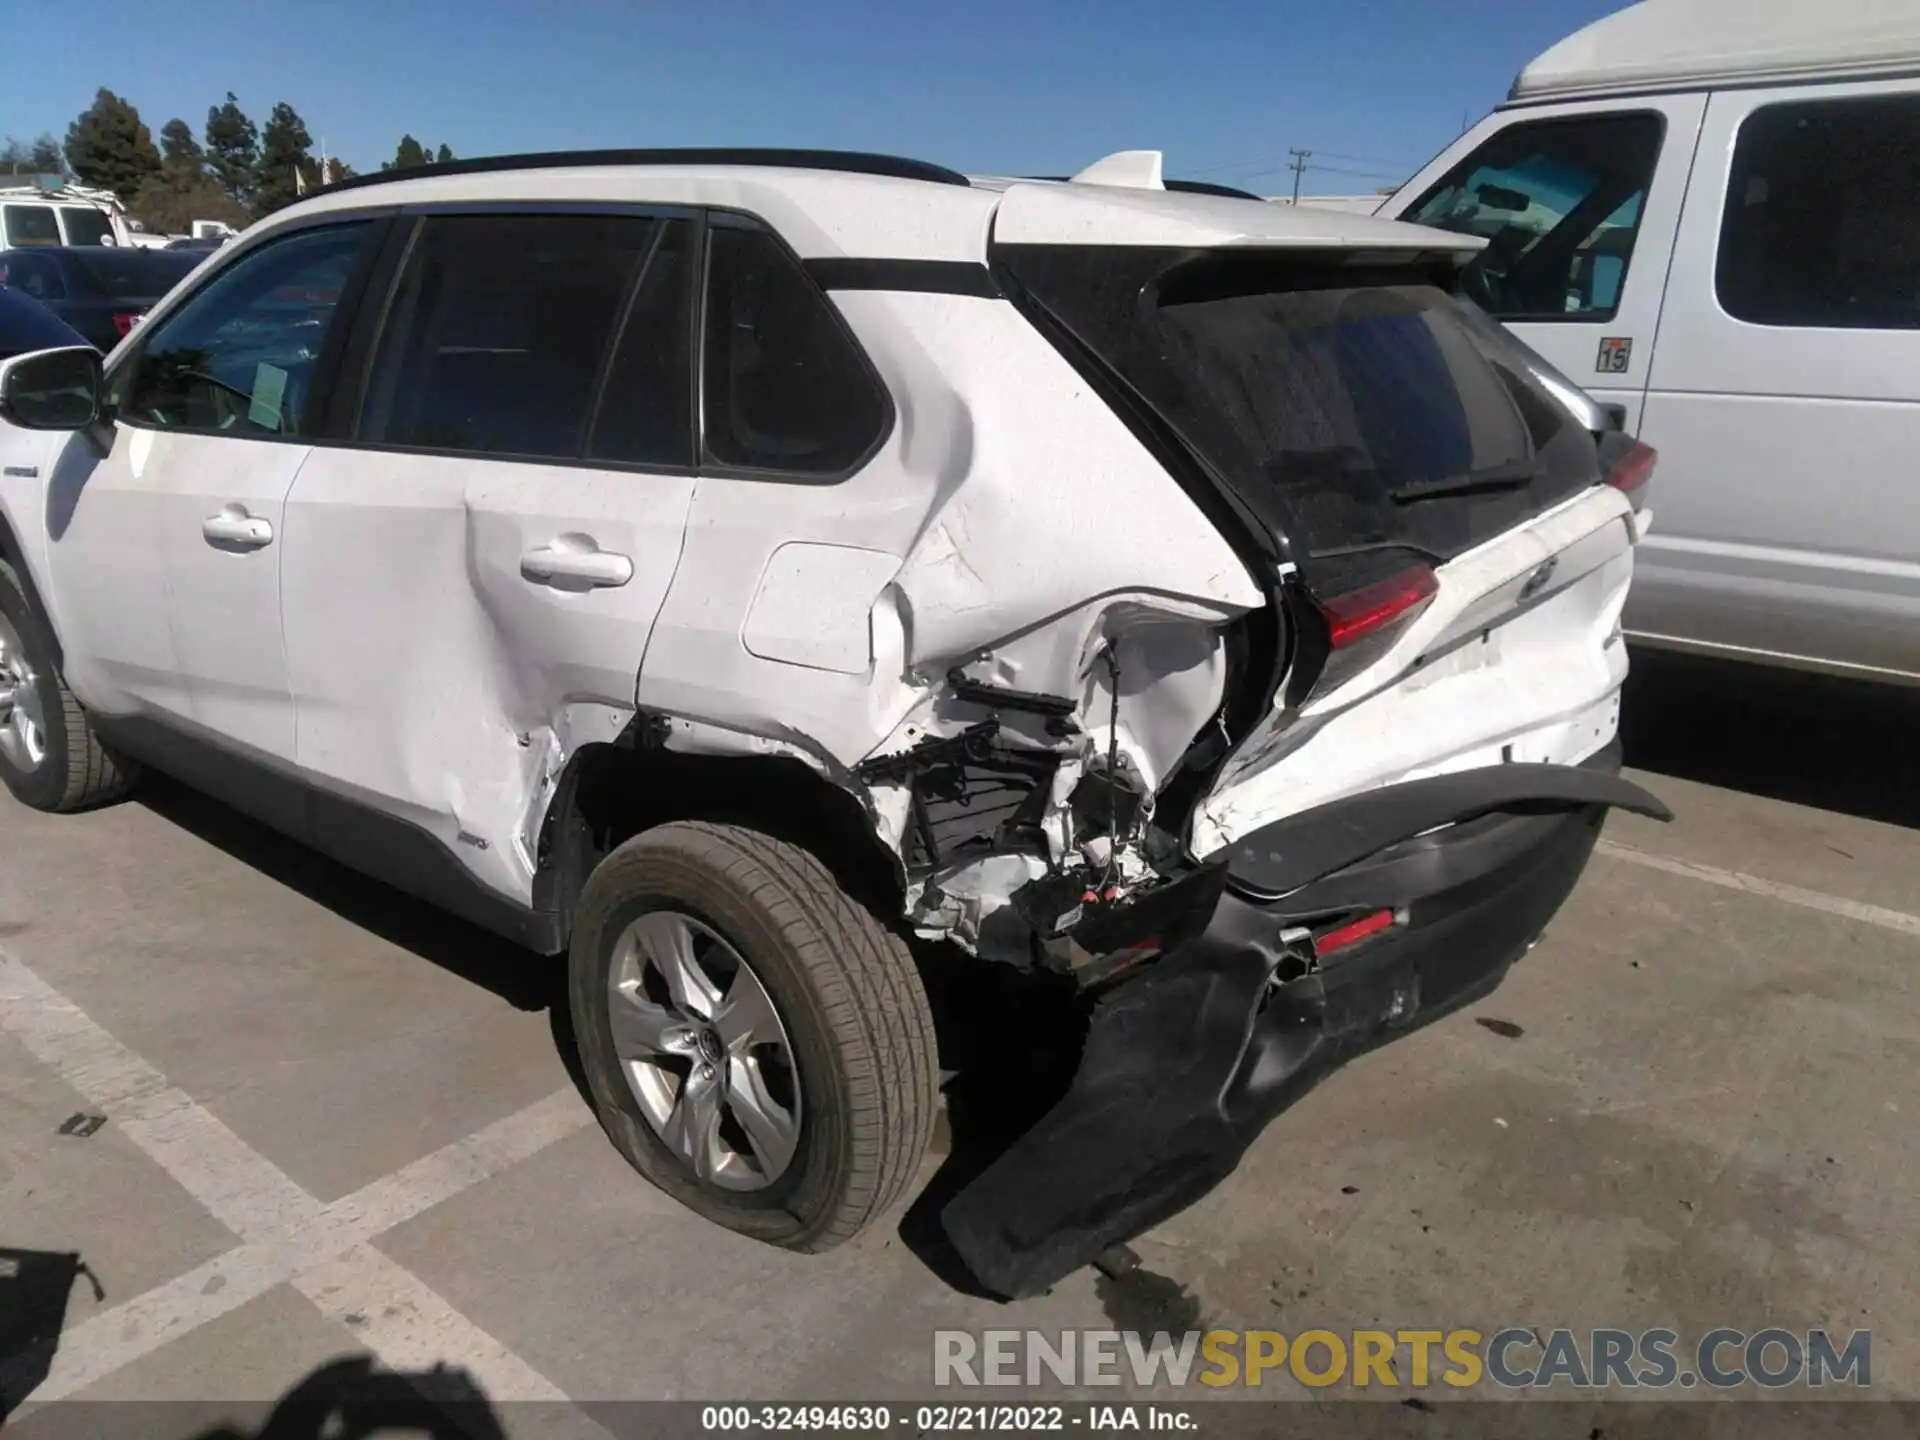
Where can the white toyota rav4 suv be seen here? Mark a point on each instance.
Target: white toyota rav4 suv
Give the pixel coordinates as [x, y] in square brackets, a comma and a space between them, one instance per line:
[722, 567]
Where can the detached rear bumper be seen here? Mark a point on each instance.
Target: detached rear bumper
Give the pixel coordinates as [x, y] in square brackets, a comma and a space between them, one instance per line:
[1186, 1063]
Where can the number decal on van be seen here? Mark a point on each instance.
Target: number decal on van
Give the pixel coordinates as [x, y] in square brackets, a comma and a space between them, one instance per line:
[1615, 353]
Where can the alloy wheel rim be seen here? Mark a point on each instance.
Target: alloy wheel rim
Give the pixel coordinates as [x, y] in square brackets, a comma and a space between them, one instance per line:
[23, 721]
[703, 1051]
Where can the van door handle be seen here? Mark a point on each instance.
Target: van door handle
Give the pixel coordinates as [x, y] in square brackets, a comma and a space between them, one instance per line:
[576, 562]
[235, 528]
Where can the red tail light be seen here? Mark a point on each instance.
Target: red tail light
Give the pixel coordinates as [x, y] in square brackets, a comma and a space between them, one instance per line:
[125, 321]
[1631, 472]
[1354, 616]
[1351, 933]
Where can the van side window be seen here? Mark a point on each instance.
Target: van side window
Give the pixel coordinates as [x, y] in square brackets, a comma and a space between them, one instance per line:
[1559, 204]
[499, 332]
[87, 227]
[31, 225]
[1822, 218]
[784, 385]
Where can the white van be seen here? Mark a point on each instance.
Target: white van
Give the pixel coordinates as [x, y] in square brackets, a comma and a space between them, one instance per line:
[71, 215]
[1708, 212]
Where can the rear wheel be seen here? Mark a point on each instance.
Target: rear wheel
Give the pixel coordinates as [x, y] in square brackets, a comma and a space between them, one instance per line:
[49, 756]
[758, 1044]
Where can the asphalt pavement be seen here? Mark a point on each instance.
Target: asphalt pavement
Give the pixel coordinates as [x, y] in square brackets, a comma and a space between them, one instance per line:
[259, 1114]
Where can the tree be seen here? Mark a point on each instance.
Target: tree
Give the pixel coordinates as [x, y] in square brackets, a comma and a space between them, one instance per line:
[233, 149]
[409, 153]
[180, 152]
[171, 201]
[16, 157]
[442, 156]
[109, 147]
[46, 158]
[285, 148]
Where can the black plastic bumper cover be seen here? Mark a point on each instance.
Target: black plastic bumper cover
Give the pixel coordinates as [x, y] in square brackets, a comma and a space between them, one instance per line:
[1185, 1064]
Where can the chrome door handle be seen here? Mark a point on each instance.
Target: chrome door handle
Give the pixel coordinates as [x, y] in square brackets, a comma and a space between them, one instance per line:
[235, 527]
[576, 562]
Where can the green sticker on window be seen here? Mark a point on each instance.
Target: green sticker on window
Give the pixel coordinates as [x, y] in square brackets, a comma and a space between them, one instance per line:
[269, 390]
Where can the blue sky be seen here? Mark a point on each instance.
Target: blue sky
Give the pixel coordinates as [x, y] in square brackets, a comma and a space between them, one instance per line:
[992, 85]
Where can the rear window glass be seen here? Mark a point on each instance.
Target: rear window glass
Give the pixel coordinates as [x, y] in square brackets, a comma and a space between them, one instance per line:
[1351, 409]
[31, 225]
[88, 227]
[134, 274]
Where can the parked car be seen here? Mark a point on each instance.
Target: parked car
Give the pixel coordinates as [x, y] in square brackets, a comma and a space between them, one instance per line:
[100, 291]
[1711, 211]
[26, 325]
[62, 215]
[723, 566]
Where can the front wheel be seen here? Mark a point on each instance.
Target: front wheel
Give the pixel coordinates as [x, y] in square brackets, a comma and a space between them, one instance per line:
[758, 1044]
[49, 756]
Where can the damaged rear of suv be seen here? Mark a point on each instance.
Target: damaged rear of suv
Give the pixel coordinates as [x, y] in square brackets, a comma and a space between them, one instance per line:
[1186, 600]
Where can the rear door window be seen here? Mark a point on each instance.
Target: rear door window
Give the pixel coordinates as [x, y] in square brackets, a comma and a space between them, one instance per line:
[1822, 219]
[31, 225]
[785, 386]
[500, 332]
[1559, 204]
[38, 275]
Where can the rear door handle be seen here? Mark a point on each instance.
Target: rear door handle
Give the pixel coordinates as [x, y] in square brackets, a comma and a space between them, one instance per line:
[235, 528]
[576, 562]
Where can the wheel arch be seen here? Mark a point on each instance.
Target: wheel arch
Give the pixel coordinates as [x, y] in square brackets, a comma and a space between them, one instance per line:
[15, 557]
[610, 791]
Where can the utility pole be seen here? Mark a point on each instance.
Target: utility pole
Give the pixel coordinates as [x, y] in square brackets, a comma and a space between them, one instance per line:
[1299, 169]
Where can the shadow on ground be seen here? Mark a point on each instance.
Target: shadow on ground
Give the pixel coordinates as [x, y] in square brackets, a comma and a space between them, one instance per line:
[34, 1289]
[1841, 745]
[523, 979]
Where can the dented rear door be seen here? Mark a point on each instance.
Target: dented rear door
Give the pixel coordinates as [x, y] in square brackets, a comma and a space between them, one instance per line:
[477, 575]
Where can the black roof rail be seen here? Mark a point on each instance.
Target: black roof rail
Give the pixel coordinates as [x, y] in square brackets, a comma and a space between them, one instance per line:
[850, 161]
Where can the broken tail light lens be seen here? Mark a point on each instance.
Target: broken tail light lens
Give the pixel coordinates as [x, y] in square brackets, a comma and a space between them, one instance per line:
[1628, 468]
[1362, 624]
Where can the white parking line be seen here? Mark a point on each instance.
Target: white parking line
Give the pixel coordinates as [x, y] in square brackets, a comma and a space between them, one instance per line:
[1753, 885]
[287, 1234]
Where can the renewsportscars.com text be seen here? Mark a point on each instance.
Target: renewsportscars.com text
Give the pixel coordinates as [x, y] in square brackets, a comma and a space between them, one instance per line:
[1514, 1358]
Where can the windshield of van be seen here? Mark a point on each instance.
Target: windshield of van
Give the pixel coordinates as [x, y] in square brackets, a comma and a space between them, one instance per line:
[88, 227]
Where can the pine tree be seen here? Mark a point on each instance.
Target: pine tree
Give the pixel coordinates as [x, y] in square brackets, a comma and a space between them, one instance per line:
[442, 155]
[110, 148]
[285, 149]
[409, 153]
[179, 150]
[46, 158]
[233, 149]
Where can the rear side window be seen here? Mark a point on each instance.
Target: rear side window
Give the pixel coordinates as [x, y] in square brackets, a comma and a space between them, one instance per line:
[784, 386]
[38, 275]
[1822, 219]
[1559, 204]
[31, 224]
[501, 328]
[135, 274]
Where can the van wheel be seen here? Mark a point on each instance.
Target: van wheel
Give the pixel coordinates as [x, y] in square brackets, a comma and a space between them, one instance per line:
[758, 1044]
[49, 756]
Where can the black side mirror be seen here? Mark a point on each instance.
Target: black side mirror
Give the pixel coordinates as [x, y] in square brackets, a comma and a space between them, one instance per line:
[51, 389]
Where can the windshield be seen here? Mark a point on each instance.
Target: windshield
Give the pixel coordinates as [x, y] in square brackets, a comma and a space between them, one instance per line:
[88, 227]
[135, 274]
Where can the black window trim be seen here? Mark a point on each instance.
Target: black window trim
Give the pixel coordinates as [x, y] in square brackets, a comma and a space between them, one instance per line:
[1585, 317]
[327, 368]
[365, 309]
